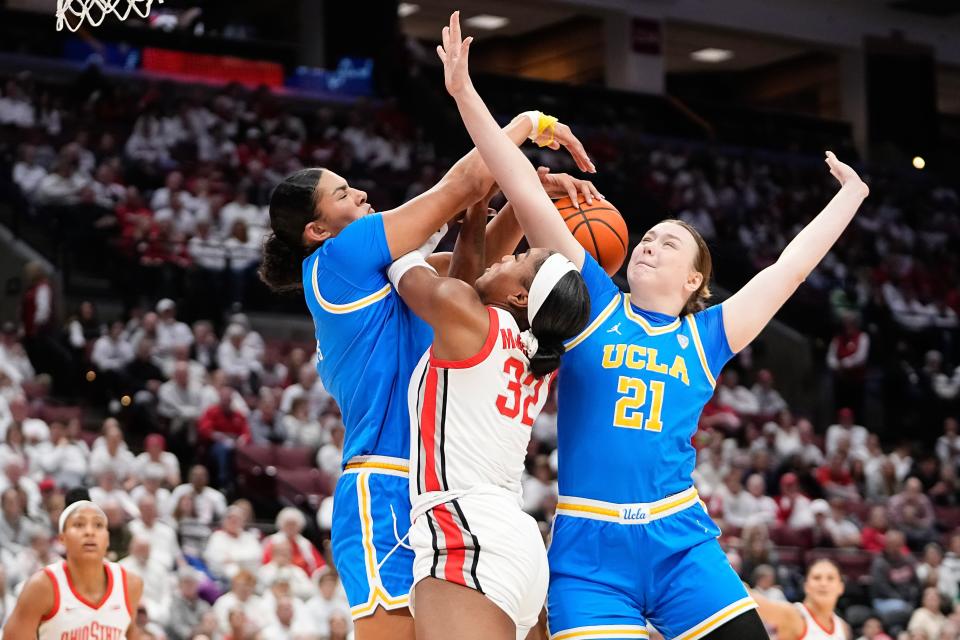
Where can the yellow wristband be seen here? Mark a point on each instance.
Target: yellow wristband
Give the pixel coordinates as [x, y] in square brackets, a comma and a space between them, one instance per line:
[543, 123]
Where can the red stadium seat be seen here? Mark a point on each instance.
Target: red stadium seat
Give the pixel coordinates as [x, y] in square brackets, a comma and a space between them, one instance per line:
[792, 556]
[63, 414]
[303, 487]
[948, 518]
[786, 537]
[293, 457]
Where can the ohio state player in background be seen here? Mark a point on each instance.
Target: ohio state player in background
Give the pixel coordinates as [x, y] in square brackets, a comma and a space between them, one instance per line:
[83, 597]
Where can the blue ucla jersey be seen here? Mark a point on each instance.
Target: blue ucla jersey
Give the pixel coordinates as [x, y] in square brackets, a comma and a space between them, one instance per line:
[631, 390]
[368, 340]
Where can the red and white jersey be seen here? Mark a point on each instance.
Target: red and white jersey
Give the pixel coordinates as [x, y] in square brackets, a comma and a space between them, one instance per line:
[75, 618]
[814, 631]
[471, 420]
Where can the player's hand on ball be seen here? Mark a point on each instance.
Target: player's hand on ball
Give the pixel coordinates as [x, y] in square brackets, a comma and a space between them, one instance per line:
[845, 174]
[558, 185]
[455, 53]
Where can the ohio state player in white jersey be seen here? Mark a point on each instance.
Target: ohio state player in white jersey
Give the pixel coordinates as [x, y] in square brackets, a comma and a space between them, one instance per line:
[480, 567]
[815, 618]
[82, 598]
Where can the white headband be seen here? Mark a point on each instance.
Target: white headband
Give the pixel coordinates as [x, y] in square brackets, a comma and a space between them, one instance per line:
[76, 506]
[552, 269]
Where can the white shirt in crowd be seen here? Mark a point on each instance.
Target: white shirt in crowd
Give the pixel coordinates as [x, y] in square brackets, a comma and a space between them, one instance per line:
[209, 504]
[226, 554]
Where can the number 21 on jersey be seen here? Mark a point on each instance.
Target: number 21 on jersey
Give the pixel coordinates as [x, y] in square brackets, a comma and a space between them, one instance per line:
[629, 414]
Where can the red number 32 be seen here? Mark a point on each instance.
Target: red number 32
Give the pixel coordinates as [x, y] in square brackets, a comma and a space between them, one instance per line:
[515, 401]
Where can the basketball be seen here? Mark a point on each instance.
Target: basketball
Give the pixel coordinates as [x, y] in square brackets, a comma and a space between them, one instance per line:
[600, 228]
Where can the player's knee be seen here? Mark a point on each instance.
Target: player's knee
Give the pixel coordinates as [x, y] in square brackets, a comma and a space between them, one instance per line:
[746, 626]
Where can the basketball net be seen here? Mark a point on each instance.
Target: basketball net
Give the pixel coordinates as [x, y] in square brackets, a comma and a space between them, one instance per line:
[73, 13]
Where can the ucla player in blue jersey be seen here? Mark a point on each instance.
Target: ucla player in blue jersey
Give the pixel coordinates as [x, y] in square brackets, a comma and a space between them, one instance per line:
[329, 242]
[632, 542]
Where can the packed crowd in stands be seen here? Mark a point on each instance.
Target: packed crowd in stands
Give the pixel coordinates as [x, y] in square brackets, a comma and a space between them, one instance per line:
[170, 422]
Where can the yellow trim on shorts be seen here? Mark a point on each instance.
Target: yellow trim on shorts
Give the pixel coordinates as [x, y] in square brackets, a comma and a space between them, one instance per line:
[378, 465]
[379, 597]
[597, 632]
[350, 306]
[640, 320]
[568, 506]
[695, 333]
[366, 521]
[593, 326]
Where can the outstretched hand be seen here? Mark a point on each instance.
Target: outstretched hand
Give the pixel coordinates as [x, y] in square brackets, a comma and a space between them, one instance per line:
[558, 185]
[844, 173]
[454, 54]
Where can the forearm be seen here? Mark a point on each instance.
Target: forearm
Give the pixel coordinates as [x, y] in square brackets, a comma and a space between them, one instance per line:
[468, 261]
[503, 235]
[472, 171]
[809, 247]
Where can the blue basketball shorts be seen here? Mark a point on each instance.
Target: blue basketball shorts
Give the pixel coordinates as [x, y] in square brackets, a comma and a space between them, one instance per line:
[616, 567]
[371, 518]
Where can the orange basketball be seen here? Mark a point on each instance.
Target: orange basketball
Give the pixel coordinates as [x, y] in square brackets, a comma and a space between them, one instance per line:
[599, 228]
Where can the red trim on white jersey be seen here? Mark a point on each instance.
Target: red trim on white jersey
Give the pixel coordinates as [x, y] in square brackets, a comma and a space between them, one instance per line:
[126, 591]
[56, 595]
[478, 357]
[78, 596]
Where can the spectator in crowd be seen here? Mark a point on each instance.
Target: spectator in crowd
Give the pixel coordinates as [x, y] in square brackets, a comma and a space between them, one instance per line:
[882, 480]
[171, 333]
[27, 172]
[912, 511]
[928, 619]
[15, 527]
[894, 585]
[793, 508]
[736, 396]
[810, 452]
[222, 429]
[180, 400]
[732, 501]
[770, 402]
[287, 626]
[235, 360]
[156, 597]
[230, 548]
[330, 456]
[764, 582]
[290, 524]
[281, 567]
[266, 422]
[303, 430]
[151, 484]
[932, 572]
[538, 485]
[329, 601]
[111, 353]
[165, 549]
[15, 476]
[764, 509]
[309, 385]
[192, 531]
[948, 445]
[836, 479]
[62, 458]
[113, 454]
[209, 504]
[845, 428]
[847, 358]
[873, 630]
[242, 598]
[155, 453]
[187, 609]
[844, 533]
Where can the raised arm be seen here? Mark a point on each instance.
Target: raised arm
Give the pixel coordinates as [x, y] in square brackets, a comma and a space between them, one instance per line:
[782, 615]
[748, 311]
[468, 260]
[513, 172]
